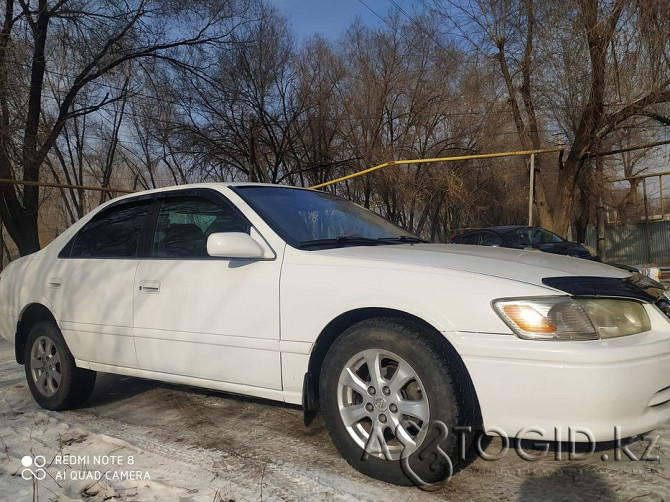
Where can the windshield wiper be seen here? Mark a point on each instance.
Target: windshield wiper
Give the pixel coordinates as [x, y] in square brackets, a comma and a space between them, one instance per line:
[341, 241]
[403, 239]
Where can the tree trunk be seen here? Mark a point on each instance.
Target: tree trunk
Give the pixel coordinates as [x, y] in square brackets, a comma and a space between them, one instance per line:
[21, 223]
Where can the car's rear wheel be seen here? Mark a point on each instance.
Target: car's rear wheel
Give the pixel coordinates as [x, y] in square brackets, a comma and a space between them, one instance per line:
[390, 403]
[53, 377]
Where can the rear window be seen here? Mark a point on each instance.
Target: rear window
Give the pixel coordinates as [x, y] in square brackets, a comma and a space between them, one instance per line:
[113, 233]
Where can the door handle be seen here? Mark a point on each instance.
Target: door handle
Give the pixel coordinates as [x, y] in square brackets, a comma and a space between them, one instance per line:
[150, 287]
[55, 282]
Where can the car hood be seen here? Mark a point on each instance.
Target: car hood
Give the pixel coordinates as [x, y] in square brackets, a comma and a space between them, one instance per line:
[513, 264]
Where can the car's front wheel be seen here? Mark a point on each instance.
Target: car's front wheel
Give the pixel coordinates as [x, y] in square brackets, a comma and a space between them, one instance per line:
[53, 377]
[390, 403]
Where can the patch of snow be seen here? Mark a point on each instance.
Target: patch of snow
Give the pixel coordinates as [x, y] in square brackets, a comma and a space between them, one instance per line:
[137, 440]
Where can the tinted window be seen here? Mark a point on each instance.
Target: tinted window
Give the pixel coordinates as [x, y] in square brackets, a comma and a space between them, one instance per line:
[531, 236]
[184, 223]
[471, 239]
[113, 233]
[521, 238]
[490, 239]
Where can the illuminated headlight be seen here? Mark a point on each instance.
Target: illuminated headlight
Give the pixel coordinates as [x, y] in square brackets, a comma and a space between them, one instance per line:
[565, 318]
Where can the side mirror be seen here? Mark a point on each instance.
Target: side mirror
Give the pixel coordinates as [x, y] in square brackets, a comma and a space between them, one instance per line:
[234, 245]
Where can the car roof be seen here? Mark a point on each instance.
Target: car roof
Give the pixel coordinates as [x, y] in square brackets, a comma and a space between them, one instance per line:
[217, 185]
[213, 185]
[508, 228]
[498, 229]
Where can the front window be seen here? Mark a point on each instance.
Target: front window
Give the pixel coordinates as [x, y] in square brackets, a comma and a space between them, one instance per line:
[534, 236]
[185, 223]
[309, 219]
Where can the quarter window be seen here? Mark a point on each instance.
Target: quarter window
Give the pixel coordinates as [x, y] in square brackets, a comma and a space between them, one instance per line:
[113, 233]
[185, 223]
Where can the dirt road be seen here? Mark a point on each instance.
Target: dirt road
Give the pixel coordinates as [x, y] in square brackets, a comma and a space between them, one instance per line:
[141, 440]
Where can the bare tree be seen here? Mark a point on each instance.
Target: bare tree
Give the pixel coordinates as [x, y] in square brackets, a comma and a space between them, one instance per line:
[570, 54]
[238, 125]
[316, 137]
[95, 39]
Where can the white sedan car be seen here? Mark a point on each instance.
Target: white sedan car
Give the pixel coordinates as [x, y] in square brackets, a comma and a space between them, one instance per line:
[407, 348]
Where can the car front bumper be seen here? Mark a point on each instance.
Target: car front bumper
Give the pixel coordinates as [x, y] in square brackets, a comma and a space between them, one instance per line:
[597, 391]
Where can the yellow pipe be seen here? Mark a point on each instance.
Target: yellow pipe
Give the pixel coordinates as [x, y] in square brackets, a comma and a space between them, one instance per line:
[441, 159]
[638, 176]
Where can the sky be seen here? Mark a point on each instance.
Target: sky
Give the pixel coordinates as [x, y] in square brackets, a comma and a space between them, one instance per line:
[330, 18]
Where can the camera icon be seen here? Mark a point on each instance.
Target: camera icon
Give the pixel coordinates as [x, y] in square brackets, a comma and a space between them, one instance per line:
[38, 463]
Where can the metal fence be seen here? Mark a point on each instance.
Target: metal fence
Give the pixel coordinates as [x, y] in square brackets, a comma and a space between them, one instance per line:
[637, 243]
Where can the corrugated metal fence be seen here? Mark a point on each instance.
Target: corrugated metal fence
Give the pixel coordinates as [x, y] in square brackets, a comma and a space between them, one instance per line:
[634, 244]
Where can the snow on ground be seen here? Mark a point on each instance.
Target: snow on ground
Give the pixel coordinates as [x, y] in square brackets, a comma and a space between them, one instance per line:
[137, 440]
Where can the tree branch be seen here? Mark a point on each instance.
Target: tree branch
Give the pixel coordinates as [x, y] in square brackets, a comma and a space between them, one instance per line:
[637, 107]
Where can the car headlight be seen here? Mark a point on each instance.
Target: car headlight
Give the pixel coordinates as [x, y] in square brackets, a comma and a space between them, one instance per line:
[566, 318]
[613, 317]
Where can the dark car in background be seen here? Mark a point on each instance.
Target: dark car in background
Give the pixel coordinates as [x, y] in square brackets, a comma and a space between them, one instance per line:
[523, 237]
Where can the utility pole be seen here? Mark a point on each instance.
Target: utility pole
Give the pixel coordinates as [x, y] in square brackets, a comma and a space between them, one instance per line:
[600, 211]
[252, 151]
[531, 190]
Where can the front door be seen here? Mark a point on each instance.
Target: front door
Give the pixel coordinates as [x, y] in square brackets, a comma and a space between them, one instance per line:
[197, 316]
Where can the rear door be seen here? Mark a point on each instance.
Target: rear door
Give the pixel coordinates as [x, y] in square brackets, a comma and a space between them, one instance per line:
[203, 317]
[91, 285]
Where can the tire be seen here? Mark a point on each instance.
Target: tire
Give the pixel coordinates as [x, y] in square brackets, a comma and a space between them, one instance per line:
[396, 423]
[53, 377]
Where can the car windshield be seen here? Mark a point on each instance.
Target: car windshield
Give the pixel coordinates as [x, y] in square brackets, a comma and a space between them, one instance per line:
[533, 236]
[309, 219]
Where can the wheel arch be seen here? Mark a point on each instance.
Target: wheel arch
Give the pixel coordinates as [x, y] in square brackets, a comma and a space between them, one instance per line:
[341, 323]
[31, 315]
